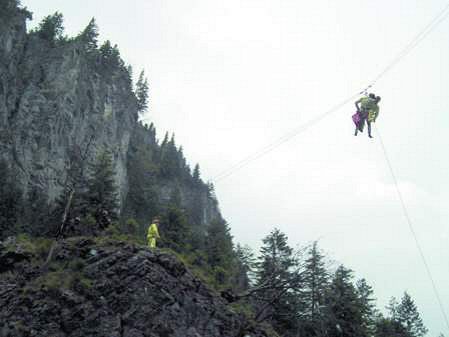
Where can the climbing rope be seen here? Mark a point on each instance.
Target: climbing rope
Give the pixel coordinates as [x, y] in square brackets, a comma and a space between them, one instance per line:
[410, 225]
[430, 27]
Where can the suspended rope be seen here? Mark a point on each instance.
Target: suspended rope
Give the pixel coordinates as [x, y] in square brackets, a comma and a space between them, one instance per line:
[438, 19]
[412, 230]
[270, 147]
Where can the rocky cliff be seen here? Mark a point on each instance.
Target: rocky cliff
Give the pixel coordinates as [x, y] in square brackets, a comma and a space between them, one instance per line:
[53, 102]
[61, 101]
[108, 288]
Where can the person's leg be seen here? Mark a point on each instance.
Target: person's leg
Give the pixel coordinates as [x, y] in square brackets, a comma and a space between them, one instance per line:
[356, 130]
[369, 128]
[153, 243]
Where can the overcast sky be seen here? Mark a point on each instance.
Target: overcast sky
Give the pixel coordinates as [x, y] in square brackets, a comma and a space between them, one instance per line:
[229, 77]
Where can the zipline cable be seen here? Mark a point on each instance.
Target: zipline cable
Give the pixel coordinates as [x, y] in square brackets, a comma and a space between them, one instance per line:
[414, 42]
[412, 230]
[281, 140]
[442, 15]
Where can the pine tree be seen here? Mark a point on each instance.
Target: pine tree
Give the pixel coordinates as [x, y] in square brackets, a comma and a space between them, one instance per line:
[219, 250]
[37, 213]
[367, 307]
[343, 307]
[89, 36]
[142, 93]
[10, 200]
[278, 302]
[174, 226]
[246, 263]
[196, 174]
[101, 193]
[316, 282]
[387, 327]
[51, 28]
[408, 316]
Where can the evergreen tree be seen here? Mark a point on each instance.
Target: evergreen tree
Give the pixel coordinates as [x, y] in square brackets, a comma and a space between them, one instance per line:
[10, 200]
[278, 302]
[387, 327]
[316, 282]
[246, 263]
[37, 211]
[142, 93]
[344, 316]
[219, 250]
[367, 307]
[407, 314]
[101, 193]
[89, 36]
[51, 28]
[196, 174]
[174, 226]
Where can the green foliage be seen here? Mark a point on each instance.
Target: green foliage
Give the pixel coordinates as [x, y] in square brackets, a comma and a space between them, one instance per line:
[142, 93]
[387, 327]
[110, 57]
[175, 231]
[8, 8]
[316, 281]
[89, 36]
[278, 301]
[37, 212]
[51, 28]
[406, 313]
[246, 264]
[344, 314]
[101, 192]
[64, 276]
[11, 200]
[131, 227]
[37, 246]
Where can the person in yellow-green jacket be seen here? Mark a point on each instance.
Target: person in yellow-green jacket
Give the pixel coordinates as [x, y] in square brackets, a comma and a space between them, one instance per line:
[368, 109]
[372, 115]
[153, 233]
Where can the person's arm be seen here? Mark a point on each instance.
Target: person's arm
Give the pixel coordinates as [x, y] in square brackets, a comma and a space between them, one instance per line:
[156, 231]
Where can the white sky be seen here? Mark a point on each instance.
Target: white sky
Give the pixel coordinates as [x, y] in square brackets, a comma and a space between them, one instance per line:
[229, 77]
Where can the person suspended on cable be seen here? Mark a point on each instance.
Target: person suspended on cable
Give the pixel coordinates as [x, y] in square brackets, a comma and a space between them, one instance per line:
[372, 115]
[364, 105]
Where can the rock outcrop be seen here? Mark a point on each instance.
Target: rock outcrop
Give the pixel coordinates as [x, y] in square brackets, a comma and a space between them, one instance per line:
[109, 288]
[54, 102]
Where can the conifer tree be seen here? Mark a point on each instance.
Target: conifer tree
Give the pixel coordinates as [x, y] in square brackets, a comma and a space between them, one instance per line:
[196, 174]
[51, 28]
[316, 282]
[10, 200]
[174, 226]
[407, 314]
[219, 250]
[101, 193]
[344, 317]
[89, 36]
[246, 263]
[142, 93]
[278, 302]
[366, 306]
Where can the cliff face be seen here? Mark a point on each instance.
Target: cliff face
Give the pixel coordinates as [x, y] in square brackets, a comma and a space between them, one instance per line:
[109, 289]
[59, 102]
[53, 103]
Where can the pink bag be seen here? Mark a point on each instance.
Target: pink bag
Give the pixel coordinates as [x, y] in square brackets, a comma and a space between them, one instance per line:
[356, 118]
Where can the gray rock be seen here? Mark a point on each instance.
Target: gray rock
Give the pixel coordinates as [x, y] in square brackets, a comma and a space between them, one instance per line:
[130, 291]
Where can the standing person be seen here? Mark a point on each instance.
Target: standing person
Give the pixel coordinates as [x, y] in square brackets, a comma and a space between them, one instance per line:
[153, 233]
[372, 115]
